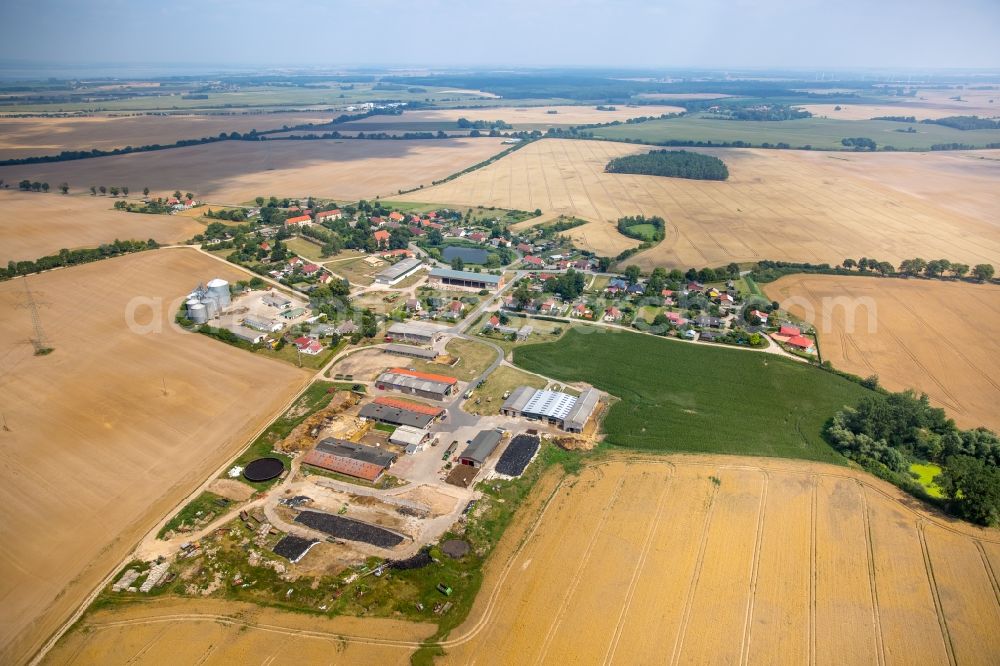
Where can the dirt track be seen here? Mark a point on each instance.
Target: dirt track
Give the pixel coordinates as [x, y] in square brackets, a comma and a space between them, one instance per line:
[96, 452]
[651, 561]
[777, 204]
[927, 335]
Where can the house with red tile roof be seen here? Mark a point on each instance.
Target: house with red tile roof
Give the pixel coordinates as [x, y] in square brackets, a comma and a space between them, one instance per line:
[612, 314]
[803, 343]
[381, 237]
[396, 216]
[308, 345]
[762, 316]
[534, 261]
[789, 330]
[301, 220]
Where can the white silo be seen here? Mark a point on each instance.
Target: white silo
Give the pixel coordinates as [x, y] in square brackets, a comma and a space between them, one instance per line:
[219, 290]
[211, 307]
[197, 313]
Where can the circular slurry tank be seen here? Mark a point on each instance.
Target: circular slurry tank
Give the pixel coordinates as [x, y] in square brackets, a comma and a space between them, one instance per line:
[263, 469]
[455, 548]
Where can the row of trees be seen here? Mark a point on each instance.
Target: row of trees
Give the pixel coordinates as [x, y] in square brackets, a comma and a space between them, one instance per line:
[671, 163]
[859, 143]
[965, 122]
[768, 112]
[887, 432]
[935, 268]
[74, 257]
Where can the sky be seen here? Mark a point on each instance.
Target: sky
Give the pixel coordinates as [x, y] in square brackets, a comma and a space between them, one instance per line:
[834, 34]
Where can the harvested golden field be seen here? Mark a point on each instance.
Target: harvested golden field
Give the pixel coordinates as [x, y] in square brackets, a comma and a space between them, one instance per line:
[49, 135]
[237, 171]
[96, 452]
[523, 116]
[926, 335]
[673, 560]
[777, 204]
[35, 224]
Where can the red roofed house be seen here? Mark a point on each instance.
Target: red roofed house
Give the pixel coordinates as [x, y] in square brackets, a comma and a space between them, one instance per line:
[308, 345]
[294, 261]
[477, 236]
[301, 220]
[396, 216]
[580, 310]
[494, 321]
[803, 343]
[612, 314]
[549, 307]
[265, 246]
[381, 237]
[397, 253]
[760, 315]
[334, 214]
[523, 247]
[789, 330]
[534, 261]
[726, 299]
[675, 318]
[309, 269]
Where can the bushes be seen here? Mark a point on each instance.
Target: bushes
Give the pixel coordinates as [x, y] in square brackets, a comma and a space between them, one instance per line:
[887, 432]
[671, 163]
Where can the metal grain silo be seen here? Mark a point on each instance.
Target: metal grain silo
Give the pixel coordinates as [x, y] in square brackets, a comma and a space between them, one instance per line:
[219, 290]
[197, 313]
[211, 307]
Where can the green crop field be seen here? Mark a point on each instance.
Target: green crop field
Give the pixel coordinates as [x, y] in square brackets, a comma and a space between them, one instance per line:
[822, 133]
[689, 397]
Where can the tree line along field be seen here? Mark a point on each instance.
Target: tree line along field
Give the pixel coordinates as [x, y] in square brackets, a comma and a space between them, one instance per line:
[820, 133]
[234, 172]
[40, 224]
[926, 335]
[667, 560]
[803, 206]
[685, 397]
[50, 135]
[113, 428]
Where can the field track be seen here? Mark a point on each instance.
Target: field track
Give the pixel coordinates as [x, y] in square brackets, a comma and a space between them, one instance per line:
[666, 553]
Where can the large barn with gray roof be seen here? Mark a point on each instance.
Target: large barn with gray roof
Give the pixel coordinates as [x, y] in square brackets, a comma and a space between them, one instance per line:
[554, 407]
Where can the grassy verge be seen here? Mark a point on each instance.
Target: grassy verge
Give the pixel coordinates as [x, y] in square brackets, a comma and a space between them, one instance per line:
[490, 394]
[197, 510]
[698, 398]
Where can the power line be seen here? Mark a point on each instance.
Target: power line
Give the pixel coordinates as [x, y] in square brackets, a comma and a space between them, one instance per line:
[39, 341]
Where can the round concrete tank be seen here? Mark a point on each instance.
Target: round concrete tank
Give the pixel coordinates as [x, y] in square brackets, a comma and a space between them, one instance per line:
[211, 307]
[219, 290]
[197, 313]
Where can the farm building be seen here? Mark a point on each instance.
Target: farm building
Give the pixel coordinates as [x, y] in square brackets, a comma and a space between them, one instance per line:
[409, 350]
[400, 412]
[408, 436]
[300, 221]
[414, 332]
[248, 335]
[398, 271]
[560, 409]
[446, 277]
[423, 384]
[262, 324]
[480, 448]
[276, 300]
[334, 214]
[350, 458]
